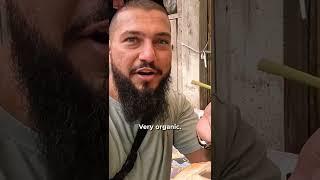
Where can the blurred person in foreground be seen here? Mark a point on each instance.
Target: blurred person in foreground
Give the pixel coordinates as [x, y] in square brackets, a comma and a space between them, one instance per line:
[53, 102]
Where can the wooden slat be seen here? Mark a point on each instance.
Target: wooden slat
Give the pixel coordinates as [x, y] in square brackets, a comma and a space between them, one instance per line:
[179, 49]
[317, 64]
[312, 65]
[222, 57]
[174, 64]
[190, 34]
[173, 16]
[212, 47]
[204, 37]
[296, 95]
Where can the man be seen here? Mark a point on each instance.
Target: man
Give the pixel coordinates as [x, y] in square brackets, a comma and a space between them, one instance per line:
[139, 97]
[53, 104]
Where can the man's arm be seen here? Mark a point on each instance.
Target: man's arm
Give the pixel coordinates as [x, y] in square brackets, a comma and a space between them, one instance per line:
[185, 140]
[201, 155]
[203, 130]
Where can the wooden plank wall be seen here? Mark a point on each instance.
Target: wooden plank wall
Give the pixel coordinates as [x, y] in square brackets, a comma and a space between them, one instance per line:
[174, 66]
[190, 27]
[205, 38]
[190, 34]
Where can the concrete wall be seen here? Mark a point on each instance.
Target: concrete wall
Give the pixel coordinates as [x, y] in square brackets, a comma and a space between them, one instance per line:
[247, 31]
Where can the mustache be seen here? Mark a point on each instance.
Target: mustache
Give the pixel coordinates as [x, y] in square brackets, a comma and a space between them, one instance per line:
[146, 65]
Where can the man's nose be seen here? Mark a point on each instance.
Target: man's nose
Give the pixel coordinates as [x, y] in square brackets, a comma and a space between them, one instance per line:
[148, 53]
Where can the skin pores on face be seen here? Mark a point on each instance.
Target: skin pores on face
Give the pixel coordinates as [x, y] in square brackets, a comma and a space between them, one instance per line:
[141, 47]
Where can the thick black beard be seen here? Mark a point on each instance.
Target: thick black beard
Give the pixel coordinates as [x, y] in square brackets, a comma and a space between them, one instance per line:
[146, 104]
[69, 116]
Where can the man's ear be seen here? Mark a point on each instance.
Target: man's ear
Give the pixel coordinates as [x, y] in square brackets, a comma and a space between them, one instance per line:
[109, 52]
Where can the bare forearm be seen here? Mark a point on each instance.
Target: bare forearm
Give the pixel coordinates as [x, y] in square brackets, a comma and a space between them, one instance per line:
[201, 155]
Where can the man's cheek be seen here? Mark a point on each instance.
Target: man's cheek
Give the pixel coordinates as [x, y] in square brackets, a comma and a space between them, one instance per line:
[167, 70]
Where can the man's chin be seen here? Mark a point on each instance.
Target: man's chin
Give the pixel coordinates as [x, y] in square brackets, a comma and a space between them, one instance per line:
[146, 86]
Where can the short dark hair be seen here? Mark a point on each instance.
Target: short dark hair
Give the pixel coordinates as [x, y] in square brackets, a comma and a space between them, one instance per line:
[139, 4]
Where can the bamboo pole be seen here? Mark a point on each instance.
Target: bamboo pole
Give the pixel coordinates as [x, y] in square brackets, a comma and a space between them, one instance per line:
[289, 73]
[206, 86]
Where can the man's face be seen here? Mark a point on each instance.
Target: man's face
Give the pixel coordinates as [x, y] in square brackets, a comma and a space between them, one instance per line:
[59, 60]
[76, 27]
[140, 48]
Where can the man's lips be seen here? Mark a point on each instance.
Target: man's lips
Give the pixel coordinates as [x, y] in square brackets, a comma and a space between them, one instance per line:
[146, 77]
[146, 71]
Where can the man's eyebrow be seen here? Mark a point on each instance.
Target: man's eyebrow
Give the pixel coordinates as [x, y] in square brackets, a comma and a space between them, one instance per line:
[164, 34]
[132, 33]
[138, 33]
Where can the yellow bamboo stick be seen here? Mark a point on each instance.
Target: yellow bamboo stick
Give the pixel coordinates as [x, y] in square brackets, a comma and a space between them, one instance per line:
[203, 85]
[289, 73]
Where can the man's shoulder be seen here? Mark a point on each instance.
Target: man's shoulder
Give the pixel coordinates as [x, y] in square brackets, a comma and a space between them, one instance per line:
[173, 94]
[19, 160]
[175, 97]
[177, 102]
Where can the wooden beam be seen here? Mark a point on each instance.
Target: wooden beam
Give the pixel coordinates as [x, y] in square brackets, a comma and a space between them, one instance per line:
[296, 95]
[205, 67]
[314, 65]
[222, 55]
[174, 63]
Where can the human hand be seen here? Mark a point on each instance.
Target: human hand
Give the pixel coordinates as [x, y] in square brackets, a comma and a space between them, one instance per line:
[204, 125]
[308, 166]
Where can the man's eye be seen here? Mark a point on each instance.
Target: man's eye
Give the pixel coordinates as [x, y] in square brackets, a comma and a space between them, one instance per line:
[163, 42]
[131, 40]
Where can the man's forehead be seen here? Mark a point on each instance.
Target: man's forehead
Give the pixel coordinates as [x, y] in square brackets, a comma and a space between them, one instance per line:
[133, 11]
[141, 33]
[136, 18]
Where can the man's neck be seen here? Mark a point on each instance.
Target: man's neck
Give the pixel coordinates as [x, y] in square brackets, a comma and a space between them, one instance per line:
[112, 89]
